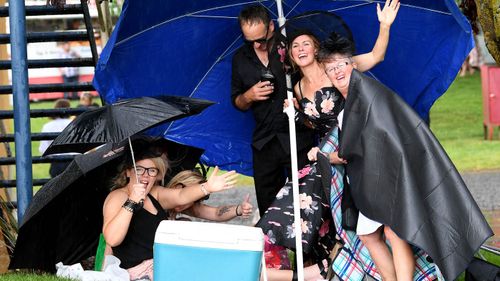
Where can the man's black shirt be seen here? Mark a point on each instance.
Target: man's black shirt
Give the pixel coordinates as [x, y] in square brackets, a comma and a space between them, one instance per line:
[270, 121]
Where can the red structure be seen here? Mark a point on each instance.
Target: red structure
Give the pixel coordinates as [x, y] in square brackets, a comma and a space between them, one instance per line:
[490, 80]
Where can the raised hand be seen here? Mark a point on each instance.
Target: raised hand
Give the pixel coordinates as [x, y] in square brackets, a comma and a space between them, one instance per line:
[225, 181]
[246, 207]
[387, 15]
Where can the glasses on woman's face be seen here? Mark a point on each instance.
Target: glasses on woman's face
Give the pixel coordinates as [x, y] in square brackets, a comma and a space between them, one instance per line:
[339, 66]
[152, 172]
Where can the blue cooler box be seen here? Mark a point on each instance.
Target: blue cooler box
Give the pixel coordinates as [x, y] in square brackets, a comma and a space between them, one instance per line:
[199, 251]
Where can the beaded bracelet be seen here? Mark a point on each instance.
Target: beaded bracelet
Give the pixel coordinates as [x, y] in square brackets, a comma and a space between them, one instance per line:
[132, 206]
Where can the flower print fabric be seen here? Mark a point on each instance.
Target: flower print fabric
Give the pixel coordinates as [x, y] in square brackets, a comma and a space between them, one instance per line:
[318, 232]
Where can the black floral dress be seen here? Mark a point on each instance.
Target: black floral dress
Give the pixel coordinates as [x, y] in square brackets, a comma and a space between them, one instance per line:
[318, 230]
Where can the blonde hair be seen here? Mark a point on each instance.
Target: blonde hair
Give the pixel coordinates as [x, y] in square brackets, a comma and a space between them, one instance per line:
[162, 166]
[186, 178]
[183, 179]
[121, 179]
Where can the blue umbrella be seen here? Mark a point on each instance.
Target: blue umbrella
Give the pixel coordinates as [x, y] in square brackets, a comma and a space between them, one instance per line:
[185, 48]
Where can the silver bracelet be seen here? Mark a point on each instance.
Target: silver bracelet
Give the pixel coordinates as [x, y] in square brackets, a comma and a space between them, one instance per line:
[205, 191]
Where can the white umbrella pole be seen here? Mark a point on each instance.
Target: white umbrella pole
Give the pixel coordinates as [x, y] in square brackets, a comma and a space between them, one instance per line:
[290, 111]
[133, 159]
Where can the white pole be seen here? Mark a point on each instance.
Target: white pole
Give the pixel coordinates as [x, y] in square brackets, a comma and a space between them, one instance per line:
[290, 111]
[133, 159]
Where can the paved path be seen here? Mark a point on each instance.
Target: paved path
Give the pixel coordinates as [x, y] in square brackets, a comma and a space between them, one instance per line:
[485, 188]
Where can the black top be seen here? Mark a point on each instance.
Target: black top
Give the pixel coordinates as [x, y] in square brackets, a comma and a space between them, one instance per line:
[324, 109]
[138, 243]
[269, 117]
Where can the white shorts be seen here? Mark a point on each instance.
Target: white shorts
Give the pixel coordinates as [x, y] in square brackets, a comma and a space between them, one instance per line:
[366, 226]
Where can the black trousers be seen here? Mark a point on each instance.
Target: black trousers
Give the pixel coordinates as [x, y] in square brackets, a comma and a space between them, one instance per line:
[70, 79]
[271, 167]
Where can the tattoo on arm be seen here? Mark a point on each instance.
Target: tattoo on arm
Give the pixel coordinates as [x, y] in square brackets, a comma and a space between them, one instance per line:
[223, 210]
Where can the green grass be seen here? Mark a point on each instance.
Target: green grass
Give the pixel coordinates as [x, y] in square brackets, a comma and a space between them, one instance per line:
[457, 121]
[490, 257]
[30, 277]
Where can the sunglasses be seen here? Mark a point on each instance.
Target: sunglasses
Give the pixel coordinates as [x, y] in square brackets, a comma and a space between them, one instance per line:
[262, 40]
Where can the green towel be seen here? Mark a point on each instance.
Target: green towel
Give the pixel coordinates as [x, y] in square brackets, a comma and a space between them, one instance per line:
[99, 255]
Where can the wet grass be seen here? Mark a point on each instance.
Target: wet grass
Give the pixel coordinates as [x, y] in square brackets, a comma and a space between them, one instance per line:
[457, 121]
[30, 277]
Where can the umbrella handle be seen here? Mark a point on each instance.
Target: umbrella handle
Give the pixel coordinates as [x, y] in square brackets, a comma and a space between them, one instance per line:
[133, 160]
[135, 167]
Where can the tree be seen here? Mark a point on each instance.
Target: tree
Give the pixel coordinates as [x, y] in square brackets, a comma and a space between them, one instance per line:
[487, 13]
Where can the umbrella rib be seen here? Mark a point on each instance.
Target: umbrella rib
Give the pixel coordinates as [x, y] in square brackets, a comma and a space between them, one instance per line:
[382, 2]
[212, 66]
[372, 75]
[427, 9]
[179, 17]
[212, 17]
[205, 75]
[293, 8]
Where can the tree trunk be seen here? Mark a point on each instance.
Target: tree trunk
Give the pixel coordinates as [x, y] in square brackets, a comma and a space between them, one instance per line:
[489, 18]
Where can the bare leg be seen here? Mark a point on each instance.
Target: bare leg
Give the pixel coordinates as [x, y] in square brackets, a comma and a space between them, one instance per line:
[277, 275]
[313, 273]
[380, 254]
[404, 261]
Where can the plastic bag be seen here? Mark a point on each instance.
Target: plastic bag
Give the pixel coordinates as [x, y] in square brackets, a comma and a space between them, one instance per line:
[111, 271]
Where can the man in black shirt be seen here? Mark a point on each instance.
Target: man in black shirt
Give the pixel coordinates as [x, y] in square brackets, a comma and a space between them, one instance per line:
[264, 51]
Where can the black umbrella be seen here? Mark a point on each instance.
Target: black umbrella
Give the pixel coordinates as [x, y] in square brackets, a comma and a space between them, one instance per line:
[64, 219]
[116, 122]
[320, 23]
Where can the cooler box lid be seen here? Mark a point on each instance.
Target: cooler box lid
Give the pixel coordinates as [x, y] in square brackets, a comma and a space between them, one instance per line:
[210, 235]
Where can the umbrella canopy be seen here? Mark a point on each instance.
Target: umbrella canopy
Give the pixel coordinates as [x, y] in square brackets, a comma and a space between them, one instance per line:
[186, 47]
[64, 219]
[118, 121]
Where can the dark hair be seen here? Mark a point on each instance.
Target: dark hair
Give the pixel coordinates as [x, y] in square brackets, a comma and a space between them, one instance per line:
[335, 44]
[62, 103]
[254, 14]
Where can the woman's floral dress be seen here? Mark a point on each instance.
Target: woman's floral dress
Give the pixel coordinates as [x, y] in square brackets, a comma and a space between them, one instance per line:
[318, 232]
[321, 187]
